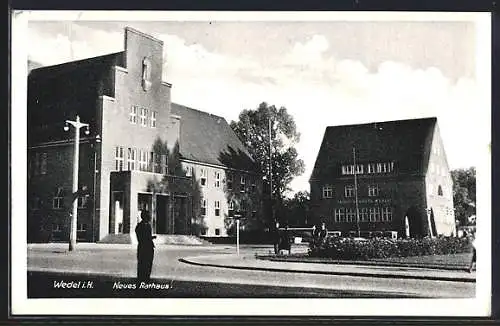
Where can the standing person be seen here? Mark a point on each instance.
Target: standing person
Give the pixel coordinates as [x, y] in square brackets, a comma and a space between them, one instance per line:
[473, 260]
[314, 233]
[276, 237]
[145, 247]
[323, 232]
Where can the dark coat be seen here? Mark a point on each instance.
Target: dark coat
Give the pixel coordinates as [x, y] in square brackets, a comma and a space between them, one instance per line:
[144, 235]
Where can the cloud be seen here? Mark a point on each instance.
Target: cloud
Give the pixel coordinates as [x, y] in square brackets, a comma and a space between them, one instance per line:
[318, 89]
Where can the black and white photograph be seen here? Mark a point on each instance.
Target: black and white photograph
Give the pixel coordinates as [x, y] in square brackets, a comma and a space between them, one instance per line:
[167, 163]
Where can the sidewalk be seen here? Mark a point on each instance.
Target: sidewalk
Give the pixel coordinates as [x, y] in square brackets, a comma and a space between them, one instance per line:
[249, 262]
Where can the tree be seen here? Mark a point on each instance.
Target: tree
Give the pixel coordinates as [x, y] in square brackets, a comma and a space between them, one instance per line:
[297, 209]
[277, 147]
[464, 194]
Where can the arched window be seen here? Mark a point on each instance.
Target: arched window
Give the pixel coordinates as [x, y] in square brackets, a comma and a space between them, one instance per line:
[440, 190]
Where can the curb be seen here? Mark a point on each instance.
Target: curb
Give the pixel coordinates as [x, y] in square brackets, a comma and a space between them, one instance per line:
[355, 274]
[367, 263]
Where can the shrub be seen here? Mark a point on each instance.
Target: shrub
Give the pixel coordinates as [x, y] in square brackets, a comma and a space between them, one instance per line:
[354, 249]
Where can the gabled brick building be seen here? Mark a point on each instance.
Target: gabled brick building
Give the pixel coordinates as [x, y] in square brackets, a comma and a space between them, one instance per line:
[384, 176]
[128, 108]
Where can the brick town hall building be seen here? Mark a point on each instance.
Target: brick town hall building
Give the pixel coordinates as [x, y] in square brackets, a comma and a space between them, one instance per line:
[128, 108]
[388, 176]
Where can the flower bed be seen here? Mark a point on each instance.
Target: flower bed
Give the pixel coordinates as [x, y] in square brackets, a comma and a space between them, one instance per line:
[355, 249]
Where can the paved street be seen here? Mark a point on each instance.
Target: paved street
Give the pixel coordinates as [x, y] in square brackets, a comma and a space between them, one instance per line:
[118, 263]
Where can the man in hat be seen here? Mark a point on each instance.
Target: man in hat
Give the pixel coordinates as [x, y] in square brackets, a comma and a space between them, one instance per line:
[145, 247]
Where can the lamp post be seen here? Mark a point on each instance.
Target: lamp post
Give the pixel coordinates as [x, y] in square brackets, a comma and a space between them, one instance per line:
[77, 125]
[237, 217]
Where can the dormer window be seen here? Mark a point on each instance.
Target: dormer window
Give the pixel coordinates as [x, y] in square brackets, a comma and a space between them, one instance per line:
[146, 74]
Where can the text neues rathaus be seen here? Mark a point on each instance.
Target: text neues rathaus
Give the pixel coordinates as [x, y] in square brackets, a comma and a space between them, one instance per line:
[131, 123]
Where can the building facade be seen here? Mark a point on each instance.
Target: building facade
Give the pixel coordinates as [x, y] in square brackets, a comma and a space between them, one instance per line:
[384, 176]
[127, 153]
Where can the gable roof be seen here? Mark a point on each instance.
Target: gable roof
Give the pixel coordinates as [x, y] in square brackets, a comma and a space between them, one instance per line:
[405, 142]
[208, 138]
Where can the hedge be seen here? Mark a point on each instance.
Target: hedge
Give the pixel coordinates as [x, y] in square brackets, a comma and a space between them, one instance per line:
[351, 249]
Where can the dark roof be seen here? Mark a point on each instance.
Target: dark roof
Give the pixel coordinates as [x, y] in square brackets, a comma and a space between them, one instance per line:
[405, 142]
[59, 92]
[115, 59]
[33, 65]
[209, 139]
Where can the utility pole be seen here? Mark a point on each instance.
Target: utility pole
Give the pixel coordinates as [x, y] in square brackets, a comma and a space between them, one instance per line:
[271, 170]
[356, 190]
[74, 219]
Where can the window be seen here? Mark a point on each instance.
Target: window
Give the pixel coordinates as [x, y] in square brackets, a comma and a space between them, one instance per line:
[381, 167]
[327, 191]
[339, 215]
[118, 158]
[217, 208]
[82, 201]
[203, 207]
[163, 162]
[229, 181]
[217, 231]
[153, 118]
[363, 214]
[132, 153]
[154, 163]
[217, 179]
[143, 164]
[230, 210]
[386, 214]
[350, 215]
[144, 117]
[146, 74]
[372, 214]
[391, 167]
[254, 214]
[359, 169]
[189, 171]
[82, 227]
[40, 163]
[371, 168]
[243, 181]
[349, 191]
[440, 191]
[347, 169]
[254, 185]
[132, 116]
[373, 190]
[203, 178]
[58, 200]
[56, 227]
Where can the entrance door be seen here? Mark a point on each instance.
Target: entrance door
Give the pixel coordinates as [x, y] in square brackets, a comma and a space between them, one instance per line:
[416, 223]
[162, 215]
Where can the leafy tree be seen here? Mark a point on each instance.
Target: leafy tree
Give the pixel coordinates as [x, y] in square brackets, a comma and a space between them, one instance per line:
[297, 209]
[252, 128]
[464, 194]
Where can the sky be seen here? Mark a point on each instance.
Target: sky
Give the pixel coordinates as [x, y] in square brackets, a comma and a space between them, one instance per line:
[326, 73]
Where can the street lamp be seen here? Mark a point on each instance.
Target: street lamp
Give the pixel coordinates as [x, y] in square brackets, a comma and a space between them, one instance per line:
[77, 125]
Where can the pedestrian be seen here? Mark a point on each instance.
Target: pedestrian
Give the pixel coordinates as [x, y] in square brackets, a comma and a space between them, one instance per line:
[285, 241]
[276, 237]
[473, 260]
[145, 247]
[323, 233]
[314, 233]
